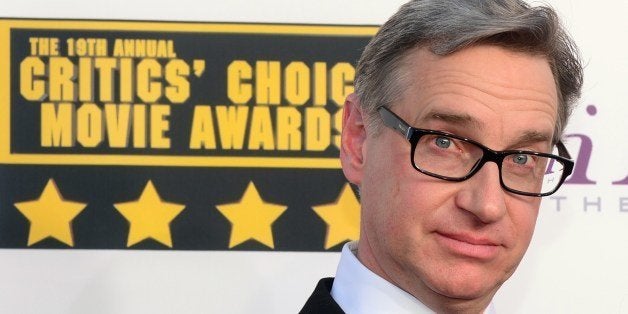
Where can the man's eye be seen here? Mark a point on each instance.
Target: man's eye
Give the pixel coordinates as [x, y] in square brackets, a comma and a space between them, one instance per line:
[443, 142]
[520, 159]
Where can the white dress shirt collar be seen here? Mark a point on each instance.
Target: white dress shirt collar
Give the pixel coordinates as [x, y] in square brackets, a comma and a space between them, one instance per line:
[360, 291]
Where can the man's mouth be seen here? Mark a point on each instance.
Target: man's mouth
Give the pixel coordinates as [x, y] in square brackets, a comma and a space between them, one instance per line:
[468, 245]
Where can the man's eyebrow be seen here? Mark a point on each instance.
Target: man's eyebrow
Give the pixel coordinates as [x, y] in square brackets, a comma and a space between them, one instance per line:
[467, 121]
[531, 137]
[459, 119]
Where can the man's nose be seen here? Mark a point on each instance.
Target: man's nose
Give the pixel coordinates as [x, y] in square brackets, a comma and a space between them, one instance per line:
[483, 195]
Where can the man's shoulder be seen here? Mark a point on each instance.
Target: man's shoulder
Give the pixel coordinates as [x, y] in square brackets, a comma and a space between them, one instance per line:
[321, 300]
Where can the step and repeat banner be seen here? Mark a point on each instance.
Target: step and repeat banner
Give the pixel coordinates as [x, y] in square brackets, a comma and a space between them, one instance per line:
[148, 165]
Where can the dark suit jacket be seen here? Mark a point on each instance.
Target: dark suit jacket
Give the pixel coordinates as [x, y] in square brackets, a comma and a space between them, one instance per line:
[321, 301]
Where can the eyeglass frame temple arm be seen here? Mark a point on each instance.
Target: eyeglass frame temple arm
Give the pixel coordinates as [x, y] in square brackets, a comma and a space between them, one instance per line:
[562, 150]
[395, 122]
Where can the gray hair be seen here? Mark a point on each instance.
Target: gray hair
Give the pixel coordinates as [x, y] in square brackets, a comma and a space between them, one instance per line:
[447, 26]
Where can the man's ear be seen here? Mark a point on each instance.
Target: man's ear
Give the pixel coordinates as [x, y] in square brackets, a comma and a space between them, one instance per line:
[352, 150]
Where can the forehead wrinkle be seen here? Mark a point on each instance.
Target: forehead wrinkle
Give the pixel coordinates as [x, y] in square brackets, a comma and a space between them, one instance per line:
[459, 119]
[496, 89]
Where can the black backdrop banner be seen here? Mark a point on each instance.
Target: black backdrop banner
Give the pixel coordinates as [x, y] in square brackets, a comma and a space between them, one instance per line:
[163, 135]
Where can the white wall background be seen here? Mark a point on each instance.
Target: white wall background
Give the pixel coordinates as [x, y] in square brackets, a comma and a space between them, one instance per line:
[577, 263]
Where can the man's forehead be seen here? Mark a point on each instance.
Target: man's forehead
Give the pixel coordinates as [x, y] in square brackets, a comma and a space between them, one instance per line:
[486, 73]
[488, 63]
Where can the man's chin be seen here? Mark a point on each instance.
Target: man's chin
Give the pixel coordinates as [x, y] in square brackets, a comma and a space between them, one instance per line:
[463, 288]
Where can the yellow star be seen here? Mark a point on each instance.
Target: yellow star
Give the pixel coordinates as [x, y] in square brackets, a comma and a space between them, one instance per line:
[342, 218]
[150, 217]
[251, 218]
[50, 215]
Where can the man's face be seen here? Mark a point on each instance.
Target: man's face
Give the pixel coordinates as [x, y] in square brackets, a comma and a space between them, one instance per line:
[440, 239]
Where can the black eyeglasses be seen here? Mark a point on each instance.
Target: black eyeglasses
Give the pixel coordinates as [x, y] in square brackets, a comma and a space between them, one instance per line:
[453, 158]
